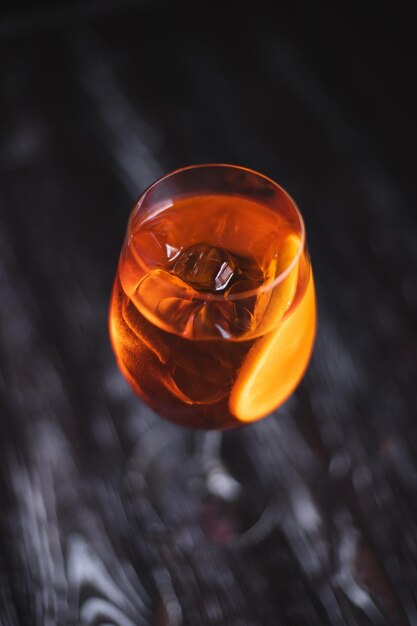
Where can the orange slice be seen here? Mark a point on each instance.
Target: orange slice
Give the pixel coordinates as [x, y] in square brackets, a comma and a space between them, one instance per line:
[276, 363]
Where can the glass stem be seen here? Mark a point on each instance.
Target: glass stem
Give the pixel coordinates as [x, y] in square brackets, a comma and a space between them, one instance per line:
[218, 481]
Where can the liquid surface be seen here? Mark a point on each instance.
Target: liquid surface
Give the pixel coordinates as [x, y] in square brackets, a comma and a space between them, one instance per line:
[195, 325]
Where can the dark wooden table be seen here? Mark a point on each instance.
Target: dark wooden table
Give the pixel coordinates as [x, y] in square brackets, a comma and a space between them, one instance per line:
[103, 519]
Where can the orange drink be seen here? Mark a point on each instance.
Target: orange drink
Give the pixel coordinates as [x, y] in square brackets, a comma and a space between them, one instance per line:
[212, 315]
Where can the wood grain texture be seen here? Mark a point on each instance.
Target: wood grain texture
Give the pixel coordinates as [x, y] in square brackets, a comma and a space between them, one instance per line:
[103, 514]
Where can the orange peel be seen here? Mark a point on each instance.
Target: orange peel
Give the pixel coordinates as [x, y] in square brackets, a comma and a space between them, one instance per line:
[276, 363]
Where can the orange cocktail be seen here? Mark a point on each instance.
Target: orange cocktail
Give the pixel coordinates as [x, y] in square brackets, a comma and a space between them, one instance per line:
[212, 316]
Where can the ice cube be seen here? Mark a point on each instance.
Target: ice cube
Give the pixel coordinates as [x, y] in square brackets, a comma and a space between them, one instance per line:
[154, 248]
[205, 267]
[173, 298]
[249, 275]
[204, 372]
[225, 319]
[166, 301]
[201, 374]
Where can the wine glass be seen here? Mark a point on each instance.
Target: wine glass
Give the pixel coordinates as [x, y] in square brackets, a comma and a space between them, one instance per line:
[212, 315]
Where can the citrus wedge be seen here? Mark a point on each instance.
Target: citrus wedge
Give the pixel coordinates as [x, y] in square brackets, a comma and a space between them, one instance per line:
[276, 363]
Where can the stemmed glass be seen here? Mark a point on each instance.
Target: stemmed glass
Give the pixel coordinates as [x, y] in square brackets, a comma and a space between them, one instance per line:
[212, 316]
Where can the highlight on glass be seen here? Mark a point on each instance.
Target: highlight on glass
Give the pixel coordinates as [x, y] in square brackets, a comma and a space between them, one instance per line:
[213, 315]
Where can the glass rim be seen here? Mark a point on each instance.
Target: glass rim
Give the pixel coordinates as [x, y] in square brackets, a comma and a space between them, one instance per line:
[204, 295]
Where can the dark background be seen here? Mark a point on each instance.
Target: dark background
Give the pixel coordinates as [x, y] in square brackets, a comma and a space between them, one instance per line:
[104, 516]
